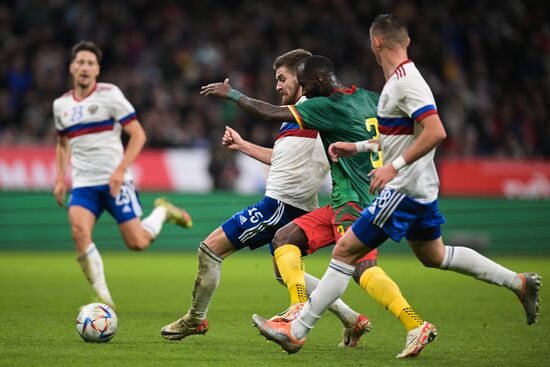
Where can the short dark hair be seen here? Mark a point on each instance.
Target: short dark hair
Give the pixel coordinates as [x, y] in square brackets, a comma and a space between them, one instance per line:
[391, 27]
[317, 65]
[86, 46]
[291, 59]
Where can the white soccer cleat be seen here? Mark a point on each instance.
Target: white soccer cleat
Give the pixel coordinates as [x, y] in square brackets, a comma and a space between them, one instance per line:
[179, 329]
[417, 339]
[174, 214]
[351, 336]
[529, 295]
[289, 314]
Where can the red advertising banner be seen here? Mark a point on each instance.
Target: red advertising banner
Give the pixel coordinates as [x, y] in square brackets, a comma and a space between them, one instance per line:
[514, 179]
[33, 168]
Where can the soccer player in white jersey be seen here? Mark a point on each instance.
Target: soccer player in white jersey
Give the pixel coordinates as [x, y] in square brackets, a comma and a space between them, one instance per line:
[89, 120]
[298, 165]
[410, 130]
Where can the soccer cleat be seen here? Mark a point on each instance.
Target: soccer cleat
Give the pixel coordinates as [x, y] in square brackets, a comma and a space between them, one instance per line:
[279, 332]
[179, 330]
[174, 214]
[529, 295]
[351, 336]
[417, 339]
[289, 314]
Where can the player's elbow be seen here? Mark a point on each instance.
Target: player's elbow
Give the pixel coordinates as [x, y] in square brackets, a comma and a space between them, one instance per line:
[439, 136]
[442, 135]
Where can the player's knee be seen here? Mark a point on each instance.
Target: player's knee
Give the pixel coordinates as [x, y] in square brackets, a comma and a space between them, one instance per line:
[281, 238]
[430, 261]
[137, 243]
[290, 234]
[342, 250]
[80, 233]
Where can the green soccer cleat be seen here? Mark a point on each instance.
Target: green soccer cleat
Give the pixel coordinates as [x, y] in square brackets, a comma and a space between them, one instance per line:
[174, 214]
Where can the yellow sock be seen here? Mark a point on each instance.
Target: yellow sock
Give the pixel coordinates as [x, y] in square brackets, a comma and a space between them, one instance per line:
[384, 290]
[289, 261]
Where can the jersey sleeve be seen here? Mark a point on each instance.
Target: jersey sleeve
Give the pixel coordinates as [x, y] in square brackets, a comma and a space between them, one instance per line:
[120, 108]
[59, 128]
[316, 113]
[416, 98]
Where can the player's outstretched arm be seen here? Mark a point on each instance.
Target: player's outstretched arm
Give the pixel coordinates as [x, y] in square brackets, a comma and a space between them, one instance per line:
[232, 140]
[346, 149]
[262, 109]
[62, 155]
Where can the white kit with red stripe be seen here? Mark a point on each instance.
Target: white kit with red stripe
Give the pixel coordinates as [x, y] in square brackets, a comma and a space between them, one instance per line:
[298, 166]
[93, 125]
[406, 100]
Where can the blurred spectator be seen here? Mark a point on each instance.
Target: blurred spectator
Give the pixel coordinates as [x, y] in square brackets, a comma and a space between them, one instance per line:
[488, 63]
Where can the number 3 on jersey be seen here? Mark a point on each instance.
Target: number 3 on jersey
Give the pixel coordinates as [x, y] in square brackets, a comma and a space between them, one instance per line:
[375, 158]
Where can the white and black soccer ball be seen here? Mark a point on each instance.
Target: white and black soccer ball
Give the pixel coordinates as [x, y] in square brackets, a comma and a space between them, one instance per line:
[96, 322]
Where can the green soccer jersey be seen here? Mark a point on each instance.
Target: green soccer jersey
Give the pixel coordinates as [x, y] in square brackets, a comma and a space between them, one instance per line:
[345, 115]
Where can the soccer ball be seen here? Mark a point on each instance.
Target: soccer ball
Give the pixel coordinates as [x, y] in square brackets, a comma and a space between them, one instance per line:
[96, 322]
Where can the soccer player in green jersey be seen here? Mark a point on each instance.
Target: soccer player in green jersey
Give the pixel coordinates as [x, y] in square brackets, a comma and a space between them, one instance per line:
[339, 114]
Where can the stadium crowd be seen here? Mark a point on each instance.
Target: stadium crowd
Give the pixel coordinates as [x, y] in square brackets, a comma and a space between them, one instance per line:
[487, 62]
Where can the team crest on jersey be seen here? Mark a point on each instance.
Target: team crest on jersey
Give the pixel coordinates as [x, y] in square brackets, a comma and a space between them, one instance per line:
[93, 109]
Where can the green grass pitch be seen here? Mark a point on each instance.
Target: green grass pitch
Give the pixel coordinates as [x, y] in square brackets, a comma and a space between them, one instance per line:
[40, 292]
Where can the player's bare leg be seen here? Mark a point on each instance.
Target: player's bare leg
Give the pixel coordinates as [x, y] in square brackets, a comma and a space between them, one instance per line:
[134, 235]
[211, 252]
[469, 262]
[139, 234]
[82, 223]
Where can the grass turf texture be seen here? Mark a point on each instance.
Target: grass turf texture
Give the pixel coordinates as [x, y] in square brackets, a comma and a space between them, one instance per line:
[479, 324]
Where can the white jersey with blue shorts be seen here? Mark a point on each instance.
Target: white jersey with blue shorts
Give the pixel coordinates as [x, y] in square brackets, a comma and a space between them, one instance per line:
[298, 168]
[408, 206]
[93, 126]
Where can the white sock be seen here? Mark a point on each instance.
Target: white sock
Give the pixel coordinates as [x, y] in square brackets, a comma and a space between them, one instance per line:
[339, 308]
[467, 261]
[154, 221]
[330, 288]
[92, 266]
[208, 278]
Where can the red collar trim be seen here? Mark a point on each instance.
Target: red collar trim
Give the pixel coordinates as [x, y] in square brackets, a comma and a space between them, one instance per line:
[87, 95]
[345, 90]
[398, 66]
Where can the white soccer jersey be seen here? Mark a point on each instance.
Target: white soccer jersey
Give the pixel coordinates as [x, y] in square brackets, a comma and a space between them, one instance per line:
[405, 100]
[298, 167]
[93, 126]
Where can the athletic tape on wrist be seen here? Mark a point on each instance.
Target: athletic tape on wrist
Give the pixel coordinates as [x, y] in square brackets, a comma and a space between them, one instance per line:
[366, 146]
[399, 163]
[234, 95]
